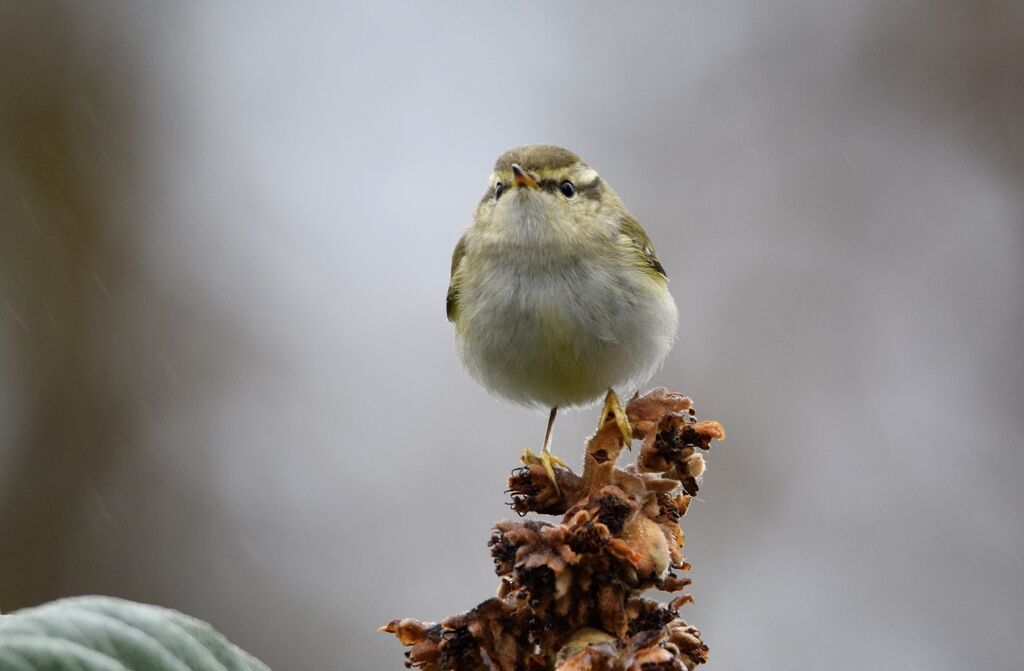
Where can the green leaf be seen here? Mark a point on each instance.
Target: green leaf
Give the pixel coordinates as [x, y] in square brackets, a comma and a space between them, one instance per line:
[99, 633]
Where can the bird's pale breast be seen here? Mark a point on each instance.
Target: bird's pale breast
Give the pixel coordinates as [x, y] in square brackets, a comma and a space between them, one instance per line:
[559, 330]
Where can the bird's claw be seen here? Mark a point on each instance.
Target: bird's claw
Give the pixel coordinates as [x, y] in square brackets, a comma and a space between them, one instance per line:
[547, 460]
[614, 407]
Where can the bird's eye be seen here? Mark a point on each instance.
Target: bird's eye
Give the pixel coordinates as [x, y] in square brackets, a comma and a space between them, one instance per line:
[567, 189]
[499, 189]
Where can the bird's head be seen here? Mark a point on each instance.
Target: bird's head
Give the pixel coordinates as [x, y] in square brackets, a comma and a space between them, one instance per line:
[545, 187]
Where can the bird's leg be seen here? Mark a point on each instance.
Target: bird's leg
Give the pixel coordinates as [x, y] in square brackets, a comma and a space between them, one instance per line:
[613, 406]
[545, 458]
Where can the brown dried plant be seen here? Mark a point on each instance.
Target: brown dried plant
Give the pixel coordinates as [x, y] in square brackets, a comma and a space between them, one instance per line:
[570, 596]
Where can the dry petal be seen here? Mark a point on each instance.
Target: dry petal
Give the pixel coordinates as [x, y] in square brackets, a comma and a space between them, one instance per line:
[646, 412]
[408, 630]
[581, 639]
[646, 539]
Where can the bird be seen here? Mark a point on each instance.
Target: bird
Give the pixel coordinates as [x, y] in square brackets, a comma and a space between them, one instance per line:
[556, 294]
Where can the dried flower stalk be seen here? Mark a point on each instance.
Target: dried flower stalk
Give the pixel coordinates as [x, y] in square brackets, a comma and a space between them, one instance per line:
[570, 593]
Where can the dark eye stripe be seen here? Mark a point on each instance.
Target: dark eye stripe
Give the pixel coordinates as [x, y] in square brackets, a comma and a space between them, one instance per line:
[553, 184]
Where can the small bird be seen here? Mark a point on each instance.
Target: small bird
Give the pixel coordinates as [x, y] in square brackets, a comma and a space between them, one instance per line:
[556, 294]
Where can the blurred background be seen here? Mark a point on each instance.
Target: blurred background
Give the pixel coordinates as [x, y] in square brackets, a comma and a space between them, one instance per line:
[226, 380]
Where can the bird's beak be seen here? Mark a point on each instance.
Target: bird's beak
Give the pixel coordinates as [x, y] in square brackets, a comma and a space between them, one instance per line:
[523, 178]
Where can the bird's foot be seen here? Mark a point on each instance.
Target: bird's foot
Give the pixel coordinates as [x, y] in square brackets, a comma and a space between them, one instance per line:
[547, 460]
[613, 407]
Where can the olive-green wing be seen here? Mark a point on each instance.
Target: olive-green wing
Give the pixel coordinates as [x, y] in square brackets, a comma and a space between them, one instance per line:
[452, 301]
[639, 240]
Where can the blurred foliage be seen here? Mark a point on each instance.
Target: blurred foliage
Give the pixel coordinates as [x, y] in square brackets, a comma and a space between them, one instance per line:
[97, 633]
[62, 251]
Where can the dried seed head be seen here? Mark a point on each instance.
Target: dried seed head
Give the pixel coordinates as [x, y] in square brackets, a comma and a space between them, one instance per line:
[570, 593]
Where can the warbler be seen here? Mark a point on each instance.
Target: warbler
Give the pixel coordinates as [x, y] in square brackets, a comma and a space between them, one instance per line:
[556, 294]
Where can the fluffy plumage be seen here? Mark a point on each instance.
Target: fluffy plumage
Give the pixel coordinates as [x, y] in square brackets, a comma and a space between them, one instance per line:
[557, 298]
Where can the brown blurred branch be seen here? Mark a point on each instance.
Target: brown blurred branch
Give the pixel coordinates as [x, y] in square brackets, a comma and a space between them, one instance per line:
[60, 174]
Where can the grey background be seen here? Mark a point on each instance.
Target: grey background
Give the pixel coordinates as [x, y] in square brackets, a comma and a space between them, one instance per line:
[226, 380]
